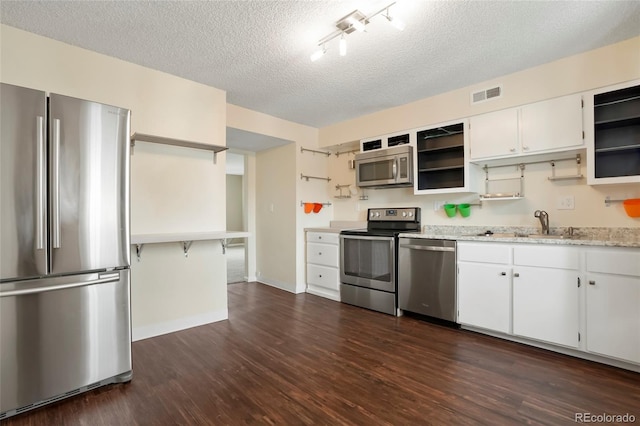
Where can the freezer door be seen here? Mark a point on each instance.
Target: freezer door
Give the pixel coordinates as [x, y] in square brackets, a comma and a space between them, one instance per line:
[60, 335]
[23, 245]
[89, 185]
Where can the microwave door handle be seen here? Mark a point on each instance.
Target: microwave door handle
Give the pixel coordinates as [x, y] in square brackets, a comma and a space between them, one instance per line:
[395, 168]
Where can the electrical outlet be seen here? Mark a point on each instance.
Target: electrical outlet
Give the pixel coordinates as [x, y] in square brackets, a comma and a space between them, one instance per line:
[565, 202]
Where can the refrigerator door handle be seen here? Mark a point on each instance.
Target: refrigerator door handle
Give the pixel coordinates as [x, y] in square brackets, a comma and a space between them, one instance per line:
[40, 190]
[55, 183]
[106, 278]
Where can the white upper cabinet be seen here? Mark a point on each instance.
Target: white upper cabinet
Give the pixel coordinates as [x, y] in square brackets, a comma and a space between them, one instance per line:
[549, 126]
[552, 125]
[612, 133]
[494, 135]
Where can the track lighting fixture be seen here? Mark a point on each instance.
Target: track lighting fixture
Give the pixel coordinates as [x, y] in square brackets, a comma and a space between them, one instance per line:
[318, 53]
[355, 21]
[397, 23]
[343, 46]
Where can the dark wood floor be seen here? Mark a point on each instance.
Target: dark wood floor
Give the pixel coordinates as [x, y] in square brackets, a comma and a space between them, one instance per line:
[300, 359]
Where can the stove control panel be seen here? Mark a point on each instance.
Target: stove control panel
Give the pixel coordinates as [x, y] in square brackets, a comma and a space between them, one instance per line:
[406, 214]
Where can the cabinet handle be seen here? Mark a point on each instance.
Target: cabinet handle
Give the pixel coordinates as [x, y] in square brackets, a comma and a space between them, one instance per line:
[516, 274]
[512, 149]
[526, 148]
[319, 238]
[503, 273]
[591, 282]
[320, 276]
[319, 253]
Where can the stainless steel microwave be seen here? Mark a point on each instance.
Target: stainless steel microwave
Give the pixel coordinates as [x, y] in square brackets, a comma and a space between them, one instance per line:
[391, 167]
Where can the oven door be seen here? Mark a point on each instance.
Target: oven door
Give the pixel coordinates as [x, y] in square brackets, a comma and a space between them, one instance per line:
[368, 261]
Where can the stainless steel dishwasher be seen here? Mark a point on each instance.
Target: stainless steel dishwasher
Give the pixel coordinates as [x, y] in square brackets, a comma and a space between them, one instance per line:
[427, 277]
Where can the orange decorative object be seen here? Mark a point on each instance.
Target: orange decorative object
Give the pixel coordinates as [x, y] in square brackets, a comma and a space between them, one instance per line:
[632, 207]
[317, 207]
[308, 207]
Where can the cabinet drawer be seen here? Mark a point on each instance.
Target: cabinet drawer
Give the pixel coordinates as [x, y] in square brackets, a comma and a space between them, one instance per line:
[323, 254]
[621, 262]
[323, 237]
[323, 276]
[547, 256]
[484, 253]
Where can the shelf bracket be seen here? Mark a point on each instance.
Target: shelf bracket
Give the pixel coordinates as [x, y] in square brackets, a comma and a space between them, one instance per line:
[608, 201]
[186, 245]
[302, 150]
[553, 176]
[314, 177]
[139, 250]
[223, 243]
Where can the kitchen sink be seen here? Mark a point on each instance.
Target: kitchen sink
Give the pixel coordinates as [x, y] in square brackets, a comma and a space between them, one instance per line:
[551, 236]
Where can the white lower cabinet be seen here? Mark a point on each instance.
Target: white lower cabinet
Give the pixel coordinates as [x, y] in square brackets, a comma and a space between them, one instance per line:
[545, 304]
[323, 264]
[613, 303]
[585, 299]
[484, 296]
[484, 285]
[546, 293]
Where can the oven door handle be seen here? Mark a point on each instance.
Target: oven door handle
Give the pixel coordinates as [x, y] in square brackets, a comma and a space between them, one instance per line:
[427, 248]
[362, 237]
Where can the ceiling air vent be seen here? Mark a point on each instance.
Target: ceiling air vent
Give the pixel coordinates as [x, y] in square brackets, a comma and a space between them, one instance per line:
[486, 94]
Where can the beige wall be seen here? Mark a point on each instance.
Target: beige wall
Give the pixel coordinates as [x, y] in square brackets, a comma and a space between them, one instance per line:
[284, 267]
[235, 209]
[602, 67]
[172, 189]
[275, 217]
[597, 68]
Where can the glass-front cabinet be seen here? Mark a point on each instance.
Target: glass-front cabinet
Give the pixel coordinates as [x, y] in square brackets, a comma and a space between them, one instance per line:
[612, 130]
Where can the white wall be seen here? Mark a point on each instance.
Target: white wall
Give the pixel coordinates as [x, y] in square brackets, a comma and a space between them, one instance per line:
[172, 189]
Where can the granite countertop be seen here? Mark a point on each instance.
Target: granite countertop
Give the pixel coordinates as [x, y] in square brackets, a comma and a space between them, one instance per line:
[610, 237]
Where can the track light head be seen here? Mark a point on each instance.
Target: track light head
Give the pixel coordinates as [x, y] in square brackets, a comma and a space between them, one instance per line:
[318, 53]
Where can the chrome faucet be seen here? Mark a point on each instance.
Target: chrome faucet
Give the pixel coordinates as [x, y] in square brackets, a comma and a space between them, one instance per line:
[544, 220]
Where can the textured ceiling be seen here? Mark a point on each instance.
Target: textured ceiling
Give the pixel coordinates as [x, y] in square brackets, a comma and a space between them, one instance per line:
[258, 51]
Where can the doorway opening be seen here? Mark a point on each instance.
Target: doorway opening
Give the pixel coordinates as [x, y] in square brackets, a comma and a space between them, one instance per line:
[236, 212]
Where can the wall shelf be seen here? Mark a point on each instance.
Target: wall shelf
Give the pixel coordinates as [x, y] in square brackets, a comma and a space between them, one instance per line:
[314, 177]
[142, 137]
[185, 239]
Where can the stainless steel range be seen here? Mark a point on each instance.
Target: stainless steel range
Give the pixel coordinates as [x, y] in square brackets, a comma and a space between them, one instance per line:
[369, 259]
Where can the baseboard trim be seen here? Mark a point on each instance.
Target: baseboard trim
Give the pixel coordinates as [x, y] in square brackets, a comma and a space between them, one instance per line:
[328, 294]
[153, 330]
[277, 284]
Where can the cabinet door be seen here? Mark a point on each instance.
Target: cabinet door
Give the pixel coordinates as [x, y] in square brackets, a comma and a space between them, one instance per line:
[494, 134]
[545, 304]
[484, 296]
[551, 125]
[613, 316]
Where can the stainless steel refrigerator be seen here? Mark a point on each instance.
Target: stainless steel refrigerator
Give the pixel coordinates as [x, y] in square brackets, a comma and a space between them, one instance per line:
[65, 316]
